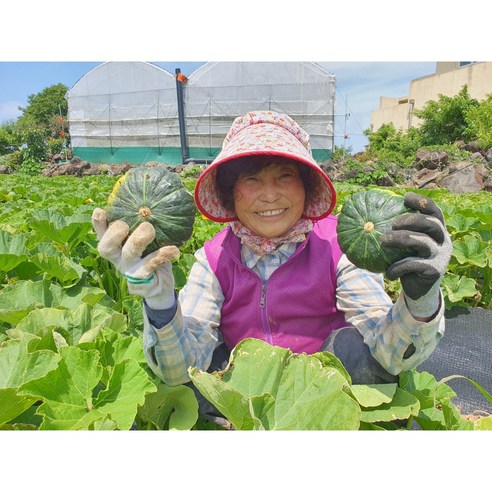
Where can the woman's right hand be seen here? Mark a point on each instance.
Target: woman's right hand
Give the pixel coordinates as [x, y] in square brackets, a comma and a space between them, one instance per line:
[150, 277]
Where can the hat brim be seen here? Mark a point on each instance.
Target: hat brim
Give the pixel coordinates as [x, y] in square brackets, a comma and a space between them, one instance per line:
[321, 203]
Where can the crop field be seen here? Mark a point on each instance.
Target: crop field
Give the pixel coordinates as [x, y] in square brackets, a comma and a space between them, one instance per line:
[70, 334]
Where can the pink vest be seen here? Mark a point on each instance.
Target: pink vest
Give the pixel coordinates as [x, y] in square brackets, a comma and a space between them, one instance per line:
[296, 307]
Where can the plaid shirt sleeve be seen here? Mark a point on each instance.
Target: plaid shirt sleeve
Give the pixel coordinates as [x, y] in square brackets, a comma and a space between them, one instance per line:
[191, 336]
[388, 329]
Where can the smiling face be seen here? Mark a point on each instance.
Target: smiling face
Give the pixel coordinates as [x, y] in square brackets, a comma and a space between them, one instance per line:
[270, 201]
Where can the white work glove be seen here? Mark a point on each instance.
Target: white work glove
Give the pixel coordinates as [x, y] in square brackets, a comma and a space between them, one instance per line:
[426, 234]
[150, 277]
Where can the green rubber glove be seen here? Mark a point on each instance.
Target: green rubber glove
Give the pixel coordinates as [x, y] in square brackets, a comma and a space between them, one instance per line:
[426, 234]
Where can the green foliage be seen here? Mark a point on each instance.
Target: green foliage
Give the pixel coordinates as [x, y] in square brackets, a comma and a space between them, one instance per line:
[33, 152]
[13, 160]
[364, 174]
[445, 123]
[389, 145]
[378, 140]
[437, 412]
[270, 388]
[44, 108]
[9, 138]
[40, 130]
[71, 353]
[445, 120]
[479, 119]
[55, 145]
[23, 148]
[341, 152]
[469, 221]
[83, 404]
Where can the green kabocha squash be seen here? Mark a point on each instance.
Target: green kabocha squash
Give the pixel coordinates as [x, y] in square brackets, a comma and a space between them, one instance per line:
[158, 196]
[364, 217]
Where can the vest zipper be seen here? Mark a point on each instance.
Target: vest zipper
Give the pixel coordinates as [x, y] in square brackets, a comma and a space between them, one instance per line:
[264, 315]
[263, 308]
[263, 294]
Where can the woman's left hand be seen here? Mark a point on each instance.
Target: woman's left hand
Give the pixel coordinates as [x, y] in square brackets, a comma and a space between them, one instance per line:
[426, 234]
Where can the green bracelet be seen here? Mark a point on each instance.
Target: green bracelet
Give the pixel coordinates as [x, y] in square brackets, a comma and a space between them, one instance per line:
[137, 281]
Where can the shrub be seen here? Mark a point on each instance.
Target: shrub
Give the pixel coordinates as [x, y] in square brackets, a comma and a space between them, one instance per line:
[55, 145]
[479, 119]
[444, 120]
[389, 145]
[13, 160]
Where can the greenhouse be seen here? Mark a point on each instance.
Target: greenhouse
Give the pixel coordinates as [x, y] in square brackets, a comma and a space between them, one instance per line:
[137, 112]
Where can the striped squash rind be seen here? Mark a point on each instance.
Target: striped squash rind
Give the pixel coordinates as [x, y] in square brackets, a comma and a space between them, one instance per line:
[363, 219]
[158, 196]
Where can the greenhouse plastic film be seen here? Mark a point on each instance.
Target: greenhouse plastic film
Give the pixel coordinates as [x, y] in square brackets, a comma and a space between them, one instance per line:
[134, 104]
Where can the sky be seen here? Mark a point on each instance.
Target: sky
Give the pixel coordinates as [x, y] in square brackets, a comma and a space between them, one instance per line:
[359, 85]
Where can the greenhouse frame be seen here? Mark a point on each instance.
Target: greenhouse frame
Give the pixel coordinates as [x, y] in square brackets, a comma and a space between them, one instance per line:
[137, 112]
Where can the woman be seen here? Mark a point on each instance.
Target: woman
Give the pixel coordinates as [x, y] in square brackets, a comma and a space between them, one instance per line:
[277, 272]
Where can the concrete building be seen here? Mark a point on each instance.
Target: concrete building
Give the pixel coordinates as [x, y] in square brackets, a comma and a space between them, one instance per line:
[448, 80]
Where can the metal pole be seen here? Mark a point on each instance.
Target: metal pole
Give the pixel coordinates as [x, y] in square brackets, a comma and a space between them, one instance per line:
[62, 132]
[181, 117]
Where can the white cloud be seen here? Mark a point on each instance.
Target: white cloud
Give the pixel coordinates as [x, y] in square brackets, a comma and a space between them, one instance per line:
[9, 111]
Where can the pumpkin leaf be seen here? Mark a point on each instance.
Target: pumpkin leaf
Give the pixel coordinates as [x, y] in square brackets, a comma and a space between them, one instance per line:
[457, 287]
[114, 348]
[67, 230]
[75, 323]
[268, 387]
[68, 392]
[402, 406]
[60, 267]
[484, 423]
[19, 365]
[471, 250]
[373, 395]
[458, 223]
[176, 404]
[13, 250]
[17, 300]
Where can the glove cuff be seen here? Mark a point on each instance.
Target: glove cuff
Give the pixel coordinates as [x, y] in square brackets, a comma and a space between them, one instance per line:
[426, 305]
[162, 301]
[157, 289]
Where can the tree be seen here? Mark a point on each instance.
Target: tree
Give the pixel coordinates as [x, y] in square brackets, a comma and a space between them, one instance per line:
[379, 138]
[40, 130]
[479, 119]
[9, 138]
[390, 145]
[444, 120]
[43, 111]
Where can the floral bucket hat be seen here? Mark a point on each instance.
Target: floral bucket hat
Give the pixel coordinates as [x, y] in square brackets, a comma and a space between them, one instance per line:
[270, 134]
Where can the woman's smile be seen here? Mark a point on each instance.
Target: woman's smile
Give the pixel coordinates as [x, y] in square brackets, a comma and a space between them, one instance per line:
[271, 213]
